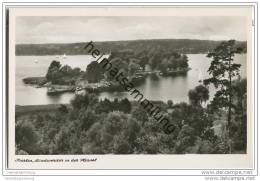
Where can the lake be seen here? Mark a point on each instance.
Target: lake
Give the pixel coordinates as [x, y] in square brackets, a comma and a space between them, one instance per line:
[162, 88]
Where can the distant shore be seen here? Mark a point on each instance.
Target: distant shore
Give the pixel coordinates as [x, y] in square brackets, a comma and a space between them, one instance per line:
[187, 46]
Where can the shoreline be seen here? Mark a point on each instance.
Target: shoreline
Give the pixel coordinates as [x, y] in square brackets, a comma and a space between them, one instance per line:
[102, 86]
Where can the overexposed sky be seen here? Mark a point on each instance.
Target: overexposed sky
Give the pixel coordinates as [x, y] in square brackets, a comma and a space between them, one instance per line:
[33, 29]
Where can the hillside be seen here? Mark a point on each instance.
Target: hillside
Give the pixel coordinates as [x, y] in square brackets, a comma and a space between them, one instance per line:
[177, 45]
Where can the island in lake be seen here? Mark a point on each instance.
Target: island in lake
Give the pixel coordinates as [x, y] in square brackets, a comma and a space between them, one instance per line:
[136, 65]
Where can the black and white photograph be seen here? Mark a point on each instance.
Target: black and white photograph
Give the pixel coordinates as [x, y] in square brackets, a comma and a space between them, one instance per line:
[130, 85]
[124, 84]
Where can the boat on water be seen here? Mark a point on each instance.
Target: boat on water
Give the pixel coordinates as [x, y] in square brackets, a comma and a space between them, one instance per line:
[64, 56]
[35, 61]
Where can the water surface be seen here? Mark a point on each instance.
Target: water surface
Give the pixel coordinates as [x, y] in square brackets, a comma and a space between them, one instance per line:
[162, 88]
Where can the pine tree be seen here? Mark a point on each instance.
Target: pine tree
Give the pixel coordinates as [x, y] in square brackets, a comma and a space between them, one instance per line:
[223, 71]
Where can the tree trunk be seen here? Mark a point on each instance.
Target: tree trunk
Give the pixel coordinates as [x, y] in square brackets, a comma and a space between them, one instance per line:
[228, 128]
[229, 109]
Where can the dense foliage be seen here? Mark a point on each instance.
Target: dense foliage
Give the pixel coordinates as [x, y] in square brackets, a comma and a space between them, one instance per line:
[92, 126]
[94, 72]
[63, 75]
[131, 62]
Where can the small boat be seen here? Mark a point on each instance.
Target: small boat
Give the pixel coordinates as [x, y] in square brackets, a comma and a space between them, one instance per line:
[35, 61]
[64, 56]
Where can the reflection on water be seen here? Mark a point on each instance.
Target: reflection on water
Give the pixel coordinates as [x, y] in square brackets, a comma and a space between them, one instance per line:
[153, 88]
[177, 88]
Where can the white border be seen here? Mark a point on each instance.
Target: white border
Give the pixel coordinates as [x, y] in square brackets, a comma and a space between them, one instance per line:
[116, 172]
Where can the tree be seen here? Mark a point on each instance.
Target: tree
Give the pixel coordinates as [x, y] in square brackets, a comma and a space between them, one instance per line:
[170, 103]
[125, 106]
[194, 116]
[133, 68]
[61, 141]
[198, 95]
[93, 140]
[86, 119]
[114, 122]
[193, 97]
[121, 146]
[115, 105]
[239, 123]
[94, 72]
[66, 70]
[26, 137]
[83, 101]
[164, 65]
[131, 131]
[104, 106]
[143, 61]
[120, 63]
[186, 139]
[63, 109]
[53, 72]
[140, 115]
[183, 63]
[113, 125]
[59, 74]
[223, 70]
[76, 71]
[148, 144]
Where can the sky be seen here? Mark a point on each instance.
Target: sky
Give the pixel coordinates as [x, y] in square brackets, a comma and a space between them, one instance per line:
[68, 29]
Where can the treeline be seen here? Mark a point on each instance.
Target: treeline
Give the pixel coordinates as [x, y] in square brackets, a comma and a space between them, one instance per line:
[178, 45]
